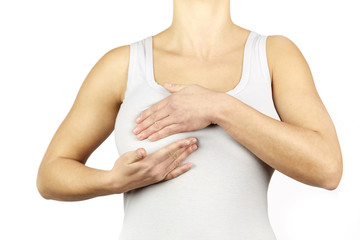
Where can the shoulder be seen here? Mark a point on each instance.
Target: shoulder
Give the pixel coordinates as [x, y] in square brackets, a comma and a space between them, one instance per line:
[278, 45]
[115, 63]
[118, 54]
[281, 51]
[293, 85]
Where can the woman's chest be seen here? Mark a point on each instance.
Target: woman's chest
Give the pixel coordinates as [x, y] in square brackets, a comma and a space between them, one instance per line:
[221, 74]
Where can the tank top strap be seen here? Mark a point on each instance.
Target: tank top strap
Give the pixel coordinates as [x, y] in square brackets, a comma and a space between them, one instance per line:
[258, 90]
[137, 67]
[263, 57]
[259, 63]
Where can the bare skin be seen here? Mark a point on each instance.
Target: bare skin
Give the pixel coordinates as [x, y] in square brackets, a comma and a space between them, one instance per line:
[203, 40]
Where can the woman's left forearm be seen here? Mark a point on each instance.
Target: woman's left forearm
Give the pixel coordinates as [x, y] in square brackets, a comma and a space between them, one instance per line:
[300, 153]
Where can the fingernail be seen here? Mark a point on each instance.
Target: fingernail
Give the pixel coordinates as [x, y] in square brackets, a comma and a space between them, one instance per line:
[194, 147]
[136, 130]
[138, 154]
[138, 119]
[194, 140]
[140, 136]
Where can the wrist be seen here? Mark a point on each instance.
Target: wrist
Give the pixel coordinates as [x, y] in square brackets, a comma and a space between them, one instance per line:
[107, 182]
[219, 107]
[111, 183]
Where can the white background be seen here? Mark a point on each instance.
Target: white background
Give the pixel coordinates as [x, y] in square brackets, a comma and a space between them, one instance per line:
[47, 49]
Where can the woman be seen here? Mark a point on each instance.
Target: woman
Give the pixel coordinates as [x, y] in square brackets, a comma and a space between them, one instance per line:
[247, 102]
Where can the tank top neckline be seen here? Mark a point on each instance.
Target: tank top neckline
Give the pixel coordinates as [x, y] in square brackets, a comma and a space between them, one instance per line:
[149, 67]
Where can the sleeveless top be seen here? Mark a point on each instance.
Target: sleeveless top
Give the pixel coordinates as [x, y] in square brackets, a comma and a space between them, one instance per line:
[224, 194]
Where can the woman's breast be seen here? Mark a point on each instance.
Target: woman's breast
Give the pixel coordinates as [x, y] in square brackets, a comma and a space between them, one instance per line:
[227, 182]
[220, 161]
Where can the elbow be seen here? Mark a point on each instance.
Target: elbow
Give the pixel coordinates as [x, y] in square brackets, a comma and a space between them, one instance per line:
[45, 195]
[41, 184]
[42, 189]
[330, 165]
[331, 184]
[333, 177]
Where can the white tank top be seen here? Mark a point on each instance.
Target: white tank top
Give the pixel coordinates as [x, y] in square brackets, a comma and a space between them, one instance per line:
[224, 194]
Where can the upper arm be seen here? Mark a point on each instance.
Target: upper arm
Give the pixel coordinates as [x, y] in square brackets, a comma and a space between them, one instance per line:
[91, 118]
[294, 93]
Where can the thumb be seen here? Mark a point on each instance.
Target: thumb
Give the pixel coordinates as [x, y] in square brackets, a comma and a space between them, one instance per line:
[174, 87]
[136, 155]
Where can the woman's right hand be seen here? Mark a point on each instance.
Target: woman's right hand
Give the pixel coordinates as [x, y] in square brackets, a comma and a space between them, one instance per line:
[135, 169]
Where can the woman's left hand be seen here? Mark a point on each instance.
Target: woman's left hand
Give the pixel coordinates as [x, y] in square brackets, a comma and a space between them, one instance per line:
[190, 107]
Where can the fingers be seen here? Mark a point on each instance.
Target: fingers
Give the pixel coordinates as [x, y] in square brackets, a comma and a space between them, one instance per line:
[175, 158]
[166, 131]
[156, 126]
[173, 155]
[164, 163]
[178, 171]
[145, 114]
[156, 121]
[174, 150]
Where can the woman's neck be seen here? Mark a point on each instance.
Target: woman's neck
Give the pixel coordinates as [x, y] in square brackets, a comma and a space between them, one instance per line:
[200, 26]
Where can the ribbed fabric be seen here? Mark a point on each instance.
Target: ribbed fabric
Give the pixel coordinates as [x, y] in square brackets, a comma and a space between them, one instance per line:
[224, 195]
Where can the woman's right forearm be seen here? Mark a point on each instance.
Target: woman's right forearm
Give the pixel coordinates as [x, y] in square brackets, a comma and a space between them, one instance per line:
[69, 180]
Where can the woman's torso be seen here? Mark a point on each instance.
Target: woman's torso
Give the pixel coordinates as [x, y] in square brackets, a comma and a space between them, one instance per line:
[224, 195]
